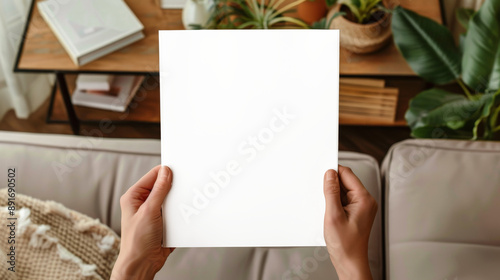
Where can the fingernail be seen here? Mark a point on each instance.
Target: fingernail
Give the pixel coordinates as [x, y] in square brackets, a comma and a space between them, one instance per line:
[330, 174]
[163, 171]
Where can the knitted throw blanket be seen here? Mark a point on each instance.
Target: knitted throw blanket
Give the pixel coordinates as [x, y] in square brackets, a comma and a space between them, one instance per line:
[53, 242]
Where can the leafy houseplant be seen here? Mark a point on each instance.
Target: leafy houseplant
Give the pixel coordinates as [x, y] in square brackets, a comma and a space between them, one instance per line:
[365, 24]
[431, 52]
[364, 11]
[241, 14]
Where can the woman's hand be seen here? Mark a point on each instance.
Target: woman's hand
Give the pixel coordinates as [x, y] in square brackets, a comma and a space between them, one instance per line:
[350, 211]
[141, 254]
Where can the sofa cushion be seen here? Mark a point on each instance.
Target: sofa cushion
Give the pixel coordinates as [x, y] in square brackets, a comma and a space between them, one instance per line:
[89, 174]
[442, 202]
[280, 263]
[86, 174]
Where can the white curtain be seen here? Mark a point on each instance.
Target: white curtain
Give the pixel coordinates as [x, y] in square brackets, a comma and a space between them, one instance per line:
[22, 92]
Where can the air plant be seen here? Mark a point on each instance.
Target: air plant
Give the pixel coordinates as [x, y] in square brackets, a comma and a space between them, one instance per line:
[252, 14]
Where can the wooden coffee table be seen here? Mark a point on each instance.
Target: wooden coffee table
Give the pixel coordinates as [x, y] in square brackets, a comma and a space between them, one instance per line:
[40, 51]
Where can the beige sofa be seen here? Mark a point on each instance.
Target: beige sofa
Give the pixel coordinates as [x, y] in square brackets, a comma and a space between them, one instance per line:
[440, 208]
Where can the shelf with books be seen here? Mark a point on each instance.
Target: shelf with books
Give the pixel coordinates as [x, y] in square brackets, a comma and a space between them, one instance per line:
[144, 107]
[40, 51]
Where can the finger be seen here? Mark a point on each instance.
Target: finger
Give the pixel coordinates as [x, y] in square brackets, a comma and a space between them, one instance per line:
[349, 180]
[161, 187]
[145, 184]
[334, 209]
[138, 193]
[167, 251]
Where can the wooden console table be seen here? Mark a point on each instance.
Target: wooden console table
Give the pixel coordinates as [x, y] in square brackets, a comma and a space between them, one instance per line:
[40, 51]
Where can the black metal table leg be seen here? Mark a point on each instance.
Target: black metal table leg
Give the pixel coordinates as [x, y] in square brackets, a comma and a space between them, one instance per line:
[70, 110]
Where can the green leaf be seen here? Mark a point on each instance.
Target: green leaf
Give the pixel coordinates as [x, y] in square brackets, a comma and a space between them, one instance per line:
[320, 24]
[372, 5]
[323, 24]
[295, 21]
[440, 132]
[334, 16]
[481, 60]
[356, 3]
[427, 102]
[437, 108]
[427, 46]
[330, 3]
[440, 108]
[461, 41]
[464, 15]
[353, 8]
[488, 100]
[362, 4]
[494, 83]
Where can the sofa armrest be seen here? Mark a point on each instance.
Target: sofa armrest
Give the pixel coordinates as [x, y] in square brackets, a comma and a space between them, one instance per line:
[442, 201]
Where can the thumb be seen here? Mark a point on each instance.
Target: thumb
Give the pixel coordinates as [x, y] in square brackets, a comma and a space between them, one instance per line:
[334, 209]
[161, 187]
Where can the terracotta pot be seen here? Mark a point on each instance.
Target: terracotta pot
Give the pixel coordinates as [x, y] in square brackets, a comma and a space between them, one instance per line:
[312, 10]
[362, 38]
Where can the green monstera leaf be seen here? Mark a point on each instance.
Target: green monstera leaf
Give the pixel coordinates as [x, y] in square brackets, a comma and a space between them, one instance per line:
[427, 46]
[481, 60]
[437, 108]
[429, 49]
[464, 15]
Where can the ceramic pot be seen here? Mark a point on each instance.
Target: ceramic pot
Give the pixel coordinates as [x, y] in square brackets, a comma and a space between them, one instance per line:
[312, 10]
[362, 38]
[196, 12]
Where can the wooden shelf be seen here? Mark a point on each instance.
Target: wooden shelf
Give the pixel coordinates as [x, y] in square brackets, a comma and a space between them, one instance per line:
[144, 108]
[408, 88]
[41, 51]
[388, 61]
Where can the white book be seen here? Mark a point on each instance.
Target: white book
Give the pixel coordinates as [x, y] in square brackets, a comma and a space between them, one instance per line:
[90, 29]
[117, 98]
[249, 125]
[94, 81]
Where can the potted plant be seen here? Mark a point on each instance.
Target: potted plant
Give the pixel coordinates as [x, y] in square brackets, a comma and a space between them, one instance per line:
[252, 14]
[365, 24]
[474, 65]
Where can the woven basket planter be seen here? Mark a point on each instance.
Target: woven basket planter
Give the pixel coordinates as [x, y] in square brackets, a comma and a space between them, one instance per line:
[362, 38]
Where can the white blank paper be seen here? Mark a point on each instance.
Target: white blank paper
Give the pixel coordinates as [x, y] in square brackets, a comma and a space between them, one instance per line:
[249, 125]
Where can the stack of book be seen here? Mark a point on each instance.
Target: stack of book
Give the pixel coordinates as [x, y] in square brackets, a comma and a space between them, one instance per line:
[106, 92]
[367, 101]
[89, 29]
